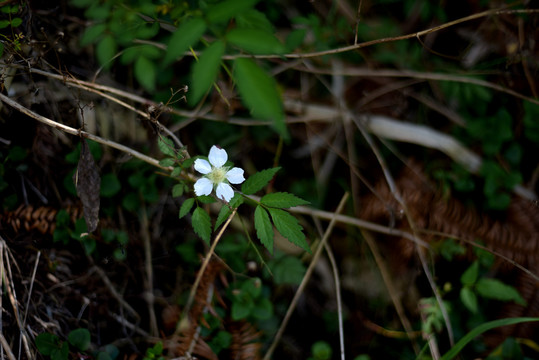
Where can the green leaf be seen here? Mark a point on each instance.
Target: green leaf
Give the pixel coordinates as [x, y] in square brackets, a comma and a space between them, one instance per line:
[145, 73]
[202, 224]
[259, 93]
[167, 162]
[61, 353]
[295, 39]
[225, 212]
[455, 350]
[110, 185]
[263, 309]
[469, 299]
[205, 71]
[187, 35]
[178, 189]
[186, 207]
[288, 270]
[282, 200]
[257, 181]
[225, 10]
[255, 41]
[470, 275]
[495, 289]
[46, 343]
[241, 309]
[254, 19]
[105, 51]
[79, 338]
[166, 146]
[289, 227]
[16, 22]
[264, 229]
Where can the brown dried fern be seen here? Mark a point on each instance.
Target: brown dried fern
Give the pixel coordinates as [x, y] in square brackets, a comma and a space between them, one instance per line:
[29, 218]
[514, 234]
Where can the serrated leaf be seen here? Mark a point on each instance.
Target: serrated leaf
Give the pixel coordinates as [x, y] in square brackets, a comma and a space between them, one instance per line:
[205, 71]
[145, 73]
[187, 35]
[282, 200]
[202, 224]
[225, 10]
[495, 289]
[289, 227]
[469, 299]
[79, 338]
[264, 229]
[255, 41]
[225, 212]
[186, 207]
[166, 146]
[167, 162]
[105, 51]
[257, 181]
[469, 277]
[259, 93]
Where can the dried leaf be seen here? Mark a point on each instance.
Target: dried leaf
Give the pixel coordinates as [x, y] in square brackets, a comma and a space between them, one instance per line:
[88, 184]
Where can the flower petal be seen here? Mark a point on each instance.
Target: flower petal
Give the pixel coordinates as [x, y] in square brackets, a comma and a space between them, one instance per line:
[202, 166]
[235, 176]
[224, 192]
[217, 157]
[203, 186]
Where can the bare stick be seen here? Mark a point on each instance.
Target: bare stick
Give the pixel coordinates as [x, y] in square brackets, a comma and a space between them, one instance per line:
[305, 280]
[338, 295]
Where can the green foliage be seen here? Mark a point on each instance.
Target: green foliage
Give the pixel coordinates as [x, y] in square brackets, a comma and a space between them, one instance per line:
[51, 345]
[475, 284]
[187, 34]
[289, 227]
[286, 269]
[259, 92]
[205, 71]
[155, 352]
[202, 224]
[321, 350]
[257, 181]
[248, 301]
[455, 350]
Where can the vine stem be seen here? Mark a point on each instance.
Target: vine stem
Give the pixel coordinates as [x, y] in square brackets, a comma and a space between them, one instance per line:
[305, 279]
[205, 263]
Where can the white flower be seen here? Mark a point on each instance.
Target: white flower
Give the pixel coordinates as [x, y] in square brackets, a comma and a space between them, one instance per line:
[216, 175]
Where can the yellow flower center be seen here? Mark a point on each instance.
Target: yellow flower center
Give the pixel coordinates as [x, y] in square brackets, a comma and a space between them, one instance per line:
[217, 175]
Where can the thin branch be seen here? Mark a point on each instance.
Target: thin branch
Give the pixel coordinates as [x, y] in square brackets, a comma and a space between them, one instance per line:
[305, 279]
[338, 296]
[85, 134]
